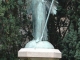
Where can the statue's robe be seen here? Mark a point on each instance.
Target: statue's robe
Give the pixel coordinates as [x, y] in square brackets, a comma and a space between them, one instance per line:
[39, 15]
[40, 10]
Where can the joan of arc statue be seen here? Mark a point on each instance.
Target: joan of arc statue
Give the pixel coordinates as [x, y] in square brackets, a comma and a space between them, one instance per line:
[40, 9]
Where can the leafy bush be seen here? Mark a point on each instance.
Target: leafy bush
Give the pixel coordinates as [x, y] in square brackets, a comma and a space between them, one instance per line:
[12, 19]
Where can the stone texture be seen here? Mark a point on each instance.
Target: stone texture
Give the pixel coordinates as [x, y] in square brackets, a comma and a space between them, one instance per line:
[39, 53]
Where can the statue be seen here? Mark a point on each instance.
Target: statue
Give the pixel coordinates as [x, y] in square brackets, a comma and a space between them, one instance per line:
[40, 11]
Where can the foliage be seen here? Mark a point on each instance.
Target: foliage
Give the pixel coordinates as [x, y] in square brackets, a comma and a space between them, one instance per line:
[70, 44]
[12, 18]
[77, 54]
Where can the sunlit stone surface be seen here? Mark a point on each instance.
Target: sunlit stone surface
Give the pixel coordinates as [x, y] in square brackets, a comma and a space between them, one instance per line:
[39, 54]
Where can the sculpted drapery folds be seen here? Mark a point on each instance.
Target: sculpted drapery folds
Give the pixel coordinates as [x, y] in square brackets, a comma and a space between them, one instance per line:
[40, 12]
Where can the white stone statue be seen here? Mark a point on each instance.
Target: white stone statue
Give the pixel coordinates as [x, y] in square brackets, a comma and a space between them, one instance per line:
[40, 10]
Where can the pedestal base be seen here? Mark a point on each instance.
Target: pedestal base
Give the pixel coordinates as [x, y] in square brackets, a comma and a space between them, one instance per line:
[39, 54]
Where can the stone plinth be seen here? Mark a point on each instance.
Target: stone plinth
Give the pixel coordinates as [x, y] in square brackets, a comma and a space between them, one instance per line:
[39, 54]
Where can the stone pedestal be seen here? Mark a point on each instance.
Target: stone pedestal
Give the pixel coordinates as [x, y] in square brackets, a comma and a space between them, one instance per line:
[39, 54]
